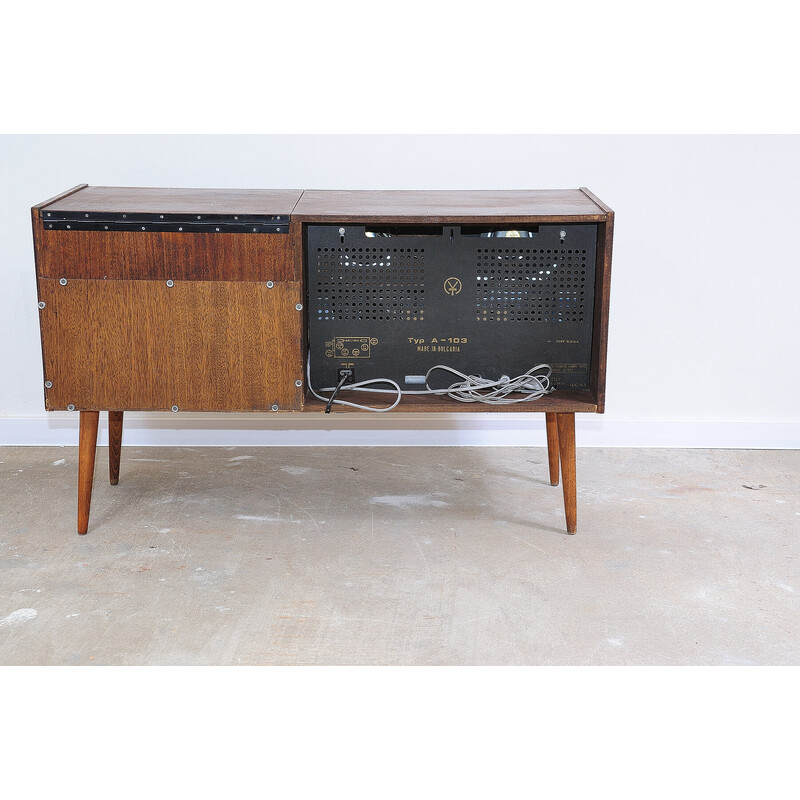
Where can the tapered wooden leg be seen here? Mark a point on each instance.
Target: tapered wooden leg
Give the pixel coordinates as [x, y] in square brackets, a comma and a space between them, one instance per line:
[566, 446]
[114, 445]
[87, 444]
[552, 446]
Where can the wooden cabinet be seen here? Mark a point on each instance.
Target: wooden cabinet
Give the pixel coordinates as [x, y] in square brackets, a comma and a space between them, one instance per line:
[196, 300]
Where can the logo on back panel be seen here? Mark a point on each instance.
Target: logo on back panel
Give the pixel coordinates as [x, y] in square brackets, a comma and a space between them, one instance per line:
[452, 286]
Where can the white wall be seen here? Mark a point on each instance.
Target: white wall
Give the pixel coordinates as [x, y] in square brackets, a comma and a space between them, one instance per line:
[703, 340]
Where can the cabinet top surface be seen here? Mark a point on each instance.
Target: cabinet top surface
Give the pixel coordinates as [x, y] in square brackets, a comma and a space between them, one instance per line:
[178, 201]
[346, 205]
[447, 205]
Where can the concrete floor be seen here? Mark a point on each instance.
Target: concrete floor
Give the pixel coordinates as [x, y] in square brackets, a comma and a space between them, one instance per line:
[401, 556]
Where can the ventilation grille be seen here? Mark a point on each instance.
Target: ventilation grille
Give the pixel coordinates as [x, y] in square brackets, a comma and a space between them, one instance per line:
[370, 283]
[529, 285]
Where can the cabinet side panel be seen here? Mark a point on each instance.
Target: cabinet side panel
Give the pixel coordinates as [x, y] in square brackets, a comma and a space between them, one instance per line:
[133, 255]
[597, 381]
[198, 345]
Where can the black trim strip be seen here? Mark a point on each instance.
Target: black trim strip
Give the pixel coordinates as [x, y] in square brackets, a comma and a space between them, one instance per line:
[182, 223]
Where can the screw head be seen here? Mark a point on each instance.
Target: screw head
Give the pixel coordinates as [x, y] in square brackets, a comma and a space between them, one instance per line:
[71, 407]
[174, 408]
[341, 231]
[275, 408]
[562, 234]
[41, 304]
[170, 283]
[299, 307]
[48, 384]
[298, 384]
[270, 284]
[63, 281]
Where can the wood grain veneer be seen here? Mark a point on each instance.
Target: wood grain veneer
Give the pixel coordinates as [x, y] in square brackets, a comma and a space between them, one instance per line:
[545, 205]
[158, 255]
[199, 345]
[138, 200]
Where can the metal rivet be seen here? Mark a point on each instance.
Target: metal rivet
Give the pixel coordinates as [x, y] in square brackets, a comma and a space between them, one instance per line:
[48, 384]
[274, 408]
[170, 283]
[174, 408]
[70, 407]
[270, 284]
[299, 307]
[63, 281]
[298, 384]
[341, 231]
[41, 304]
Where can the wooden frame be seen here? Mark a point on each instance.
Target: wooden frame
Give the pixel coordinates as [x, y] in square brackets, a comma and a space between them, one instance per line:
[157, 319]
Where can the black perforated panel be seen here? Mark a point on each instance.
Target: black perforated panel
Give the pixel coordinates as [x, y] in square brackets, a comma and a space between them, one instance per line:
[396, 302]
[368, 283]
[525, 284]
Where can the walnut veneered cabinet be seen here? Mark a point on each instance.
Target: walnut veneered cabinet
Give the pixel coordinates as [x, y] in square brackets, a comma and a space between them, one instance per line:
[215, 300]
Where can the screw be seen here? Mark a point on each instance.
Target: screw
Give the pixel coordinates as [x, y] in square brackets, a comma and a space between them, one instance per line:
[562, 234]
[174, 408]
[341, 231]
[48, 384]
[170, 283]
[298, 384]
[270, 284]
[63, 281]
[299, 307]
[70, 407]
[41, 304]
[275, 408]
